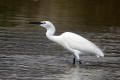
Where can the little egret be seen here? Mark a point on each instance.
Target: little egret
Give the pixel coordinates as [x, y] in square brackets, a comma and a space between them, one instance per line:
[71, 41]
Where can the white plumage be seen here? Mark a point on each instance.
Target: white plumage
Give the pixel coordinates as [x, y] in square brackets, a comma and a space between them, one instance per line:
[77, 42]
[71, 41]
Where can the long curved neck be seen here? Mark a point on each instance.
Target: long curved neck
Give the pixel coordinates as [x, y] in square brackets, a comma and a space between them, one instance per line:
[50, 34]
[50, 31]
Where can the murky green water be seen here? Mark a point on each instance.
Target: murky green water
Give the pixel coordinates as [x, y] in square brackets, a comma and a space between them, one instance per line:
[26, 53]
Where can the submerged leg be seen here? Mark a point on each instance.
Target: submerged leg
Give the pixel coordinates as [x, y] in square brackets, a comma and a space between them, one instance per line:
[77, 53]
[80, 62]
[74, 60]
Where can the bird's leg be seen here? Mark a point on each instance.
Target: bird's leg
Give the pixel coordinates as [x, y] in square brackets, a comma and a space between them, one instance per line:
[74, 60]
[80, 62]
[76, 54]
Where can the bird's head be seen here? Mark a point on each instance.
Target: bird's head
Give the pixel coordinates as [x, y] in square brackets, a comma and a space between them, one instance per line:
[44, 24]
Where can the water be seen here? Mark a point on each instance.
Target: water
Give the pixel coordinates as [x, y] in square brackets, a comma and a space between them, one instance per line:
[26, 53]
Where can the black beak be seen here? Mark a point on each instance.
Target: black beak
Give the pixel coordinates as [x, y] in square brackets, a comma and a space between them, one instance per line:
[37, 23]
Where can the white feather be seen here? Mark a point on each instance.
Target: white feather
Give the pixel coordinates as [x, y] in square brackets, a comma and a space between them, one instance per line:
[77, 42]
[71, 41]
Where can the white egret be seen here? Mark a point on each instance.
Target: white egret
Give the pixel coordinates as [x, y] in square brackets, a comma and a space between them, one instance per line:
[71, 41]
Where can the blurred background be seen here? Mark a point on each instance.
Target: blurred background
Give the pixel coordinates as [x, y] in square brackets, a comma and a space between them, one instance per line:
[26, 53]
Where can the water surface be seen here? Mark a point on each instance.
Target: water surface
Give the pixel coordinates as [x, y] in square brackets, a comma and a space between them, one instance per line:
[26, 53]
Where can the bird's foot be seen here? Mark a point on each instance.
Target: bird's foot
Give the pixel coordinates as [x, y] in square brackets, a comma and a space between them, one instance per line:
[74, 60]
[80, 62]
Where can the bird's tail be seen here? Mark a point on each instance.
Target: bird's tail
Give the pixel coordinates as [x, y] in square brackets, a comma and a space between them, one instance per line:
[100, 53]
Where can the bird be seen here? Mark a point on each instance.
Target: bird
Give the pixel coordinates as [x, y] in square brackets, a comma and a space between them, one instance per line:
[73, 42]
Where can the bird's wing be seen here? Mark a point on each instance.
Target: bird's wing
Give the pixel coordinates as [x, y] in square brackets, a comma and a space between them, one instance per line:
[77, 42]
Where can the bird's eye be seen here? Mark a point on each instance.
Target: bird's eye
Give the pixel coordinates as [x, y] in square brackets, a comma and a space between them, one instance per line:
[44, 22]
